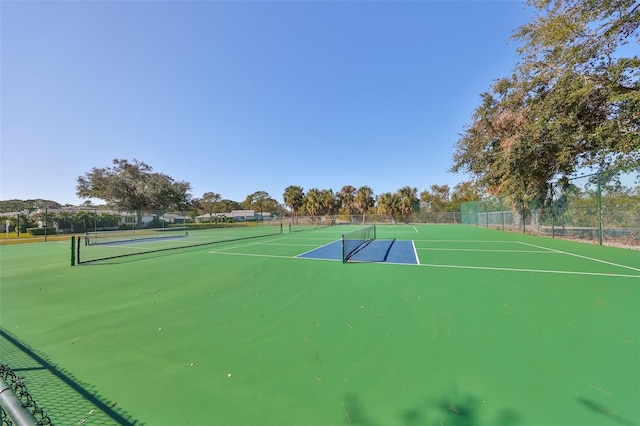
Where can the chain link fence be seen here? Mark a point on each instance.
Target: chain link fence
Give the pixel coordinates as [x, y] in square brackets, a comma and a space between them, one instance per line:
[421, 216]
[602, 208]
[67, 400]
[20, 401]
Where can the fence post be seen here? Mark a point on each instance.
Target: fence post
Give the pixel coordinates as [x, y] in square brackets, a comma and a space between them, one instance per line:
[486, 212]
[73, 250]
[552, 206]
[78, 252]
[599, 197]
[13, 406]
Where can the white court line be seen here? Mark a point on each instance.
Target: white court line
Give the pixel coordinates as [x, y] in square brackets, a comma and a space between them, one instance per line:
[309, 251]
[416, 229]
[320, 239]
[487, 250]
[252, 255]
[544, 271]
[415, 253]
[486, 268]
[241, 245]
[273, 255]
[471, 241]
[582, 257]
[483, 268]
[286, 245]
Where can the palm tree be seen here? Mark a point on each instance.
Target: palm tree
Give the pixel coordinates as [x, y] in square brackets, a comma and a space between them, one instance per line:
[294, 199]
[347, 195]
[364, 200]
[388, 205]
[407, 199]
[86, 221]
[313, 203]
[331, 203]
[65, 220]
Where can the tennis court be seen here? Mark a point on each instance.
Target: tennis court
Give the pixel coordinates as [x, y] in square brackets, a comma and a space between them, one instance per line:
[483, 328]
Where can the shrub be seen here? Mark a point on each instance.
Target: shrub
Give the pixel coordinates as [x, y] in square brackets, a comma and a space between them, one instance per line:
[41, 231]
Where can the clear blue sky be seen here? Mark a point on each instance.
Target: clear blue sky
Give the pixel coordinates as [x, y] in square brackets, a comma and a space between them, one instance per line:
[237, 97]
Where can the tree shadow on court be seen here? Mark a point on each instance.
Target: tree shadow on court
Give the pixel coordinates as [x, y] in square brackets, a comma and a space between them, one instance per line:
[354, 412]
[605, 411]
[65, 399]
[455, 409]
[452, 409]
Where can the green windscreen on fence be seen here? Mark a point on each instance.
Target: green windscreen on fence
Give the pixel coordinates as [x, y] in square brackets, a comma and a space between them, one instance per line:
[600, 207]
[97, 247]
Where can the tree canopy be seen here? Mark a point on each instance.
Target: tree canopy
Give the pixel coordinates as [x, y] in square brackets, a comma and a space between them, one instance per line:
[208, 203]
[26, 205]
[262, 202]
[572, 102]
[133, 186]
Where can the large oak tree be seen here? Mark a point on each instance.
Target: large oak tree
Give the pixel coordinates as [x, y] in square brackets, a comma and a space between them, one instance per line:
[208, 203]
[572, 102]
[133, 186]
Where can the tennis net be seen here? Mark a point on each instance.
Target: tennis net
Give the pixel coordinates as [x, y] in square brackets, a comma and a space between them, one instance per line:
[354, 241]
[190, 237]
[111, 237]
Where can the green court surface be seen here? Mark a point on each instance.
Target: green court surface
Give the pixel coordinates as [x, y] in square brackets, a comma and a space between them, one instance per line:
[490, 328]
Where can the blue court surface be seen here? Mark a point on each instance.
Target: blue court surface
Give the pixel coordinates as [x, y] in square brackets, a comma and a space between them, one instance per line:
[387, 251]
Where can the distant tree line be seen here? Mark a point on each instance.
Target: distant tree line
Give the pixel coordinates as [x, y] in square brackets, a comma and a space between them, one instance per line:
[27, 205]
[399, 206]
[60, 220]
[403, 205]
[133, 186]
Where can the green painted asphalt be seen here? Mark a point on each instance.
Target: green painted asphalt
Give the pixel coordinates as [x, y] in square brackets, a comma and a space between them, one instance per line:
[493, 328]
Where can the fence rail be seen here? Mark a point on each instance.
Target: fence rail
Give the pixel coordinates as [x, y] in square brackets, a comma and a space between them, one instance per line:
[17, 406]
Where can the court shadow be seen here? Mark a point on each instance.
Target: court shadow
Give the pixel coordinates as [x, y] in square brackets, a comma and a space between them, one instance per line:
[451, 408]
[65, 399]
[354, 411]
[454, 408]
[605, 411]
